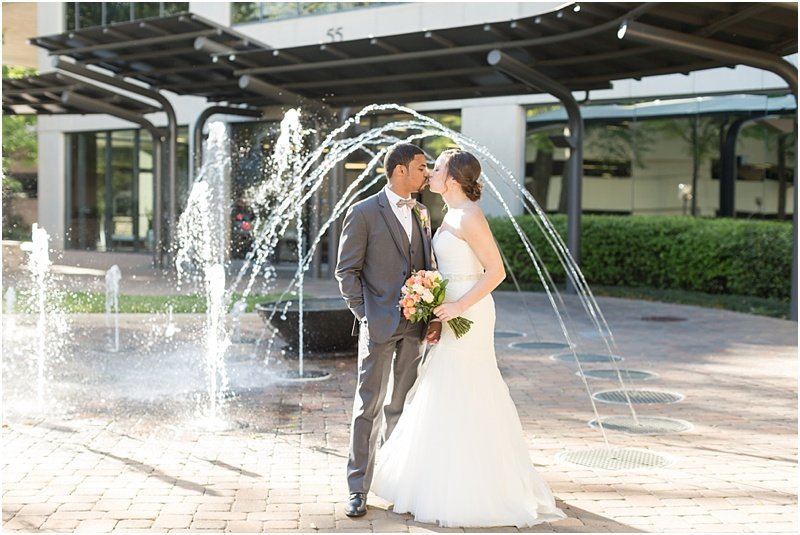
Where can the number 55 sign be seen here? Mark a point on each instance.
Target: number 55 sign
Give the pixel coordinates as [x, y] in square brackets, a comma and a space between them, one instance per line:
[334, 34]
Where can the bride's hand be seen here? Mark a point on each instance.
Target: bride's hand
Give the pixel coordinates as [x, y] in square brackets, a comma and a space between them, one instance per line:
[448, 311]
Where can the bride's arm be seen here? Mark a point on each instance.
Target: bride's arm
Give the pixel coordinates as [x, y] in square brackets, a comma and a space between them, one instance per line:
[476, 232]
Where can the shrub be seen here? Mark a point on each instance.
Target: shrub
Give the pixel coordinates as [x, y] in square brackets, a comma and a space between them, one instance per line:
[724, 256]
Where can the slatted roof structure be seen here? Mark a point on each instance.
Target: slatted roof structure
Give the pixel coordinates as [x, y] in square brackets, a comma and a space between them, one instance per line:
[176, 53]
[576, 45]
[43, 95]
[580, 49]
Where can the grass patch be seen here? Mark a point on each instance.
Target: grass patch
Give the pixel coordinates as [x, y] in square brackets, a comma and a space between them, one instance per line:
[760, 306]
[93, 302]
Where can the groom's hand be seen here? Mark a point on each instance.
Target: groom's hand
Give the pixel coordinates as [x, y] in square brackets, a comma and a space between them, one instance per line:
[434, 332]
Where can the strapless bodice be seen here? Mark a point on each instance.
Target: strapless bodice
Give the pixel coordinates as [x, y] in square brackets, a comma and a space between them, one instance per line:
[455, 259]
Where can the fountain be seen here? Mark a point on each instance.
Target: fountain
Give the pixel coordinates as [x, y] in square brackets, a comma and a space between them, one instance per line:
[11, 301]
[200, 258]
[293, 177]
[308, 172]
[113, 276]
[39, 266]
[237, 310]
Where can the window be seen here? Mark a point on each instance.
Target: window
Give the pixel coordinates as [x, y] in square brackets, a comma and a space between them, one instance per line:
[87, 14]
[265, 11]
[110, 195]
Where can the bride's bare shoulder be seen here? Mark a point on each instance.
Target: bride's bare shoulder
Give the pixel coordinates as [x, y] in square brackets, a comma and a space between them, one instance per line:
[473, 217]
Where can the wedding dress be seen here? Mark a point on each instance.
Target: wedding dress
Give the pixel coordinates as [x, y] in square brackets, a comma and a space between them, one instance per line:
[457, 456]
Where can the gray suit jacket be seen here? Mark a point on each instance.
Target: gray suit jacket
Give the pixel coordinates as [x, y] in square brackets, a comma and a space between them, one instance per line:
[373, 266]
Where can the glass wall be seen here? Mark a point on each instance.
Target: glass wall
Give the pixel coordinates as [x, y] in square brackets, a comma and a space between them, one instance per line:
[87, 14]
[110, 195]
[638, 163]
[264, 11]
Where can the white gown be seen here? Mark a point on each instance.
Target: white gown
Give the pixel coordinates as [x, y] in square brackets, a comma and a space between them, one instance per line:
[457, 456]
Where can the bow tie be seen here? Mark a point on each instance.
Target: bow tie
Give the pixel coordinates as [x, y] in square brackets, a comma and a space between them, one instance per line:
[411, 203]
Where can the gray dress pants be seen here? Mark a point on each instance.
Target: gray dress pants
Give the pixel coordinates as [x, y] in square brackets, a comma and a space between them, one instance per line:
[401, 354]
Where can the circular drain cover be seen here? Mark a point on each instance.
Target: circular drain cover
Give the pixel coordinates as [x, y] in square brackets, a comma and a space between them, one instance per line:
[663, 318]
[612, 374]
[539, 345]
[585, 357]
[648, 425]
[637, 396]
[614, 458]
[507, 334]
[308, 375]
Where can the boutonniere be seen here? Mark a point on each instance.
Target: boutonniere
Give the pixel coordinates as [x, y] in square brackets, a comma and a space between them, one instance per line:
[422, 215]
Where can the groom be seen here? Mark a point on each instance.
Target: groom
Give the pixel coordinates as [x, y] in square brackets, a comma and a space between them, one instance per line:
[384, 238]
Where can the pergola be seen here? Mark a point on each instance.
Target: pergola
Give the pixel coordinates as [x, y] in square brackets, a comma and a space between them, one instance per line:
[580, 47]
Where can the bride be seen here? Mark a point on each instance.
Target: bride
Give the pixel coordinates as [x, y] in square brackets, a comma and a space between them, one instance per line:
[458, 456]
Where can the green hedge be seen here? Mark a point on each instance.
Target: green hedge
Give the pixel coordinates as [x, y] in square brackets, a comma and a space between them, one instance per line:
[725, 256]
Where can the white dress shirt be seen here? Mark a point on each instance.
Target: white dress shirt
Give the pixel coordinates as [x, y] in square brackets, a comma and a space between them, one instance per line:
[403, 213]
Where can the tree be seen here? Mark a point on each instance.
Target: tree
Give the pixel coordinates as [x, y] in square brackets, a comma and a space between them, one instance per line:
[701, 135]
[19, 145]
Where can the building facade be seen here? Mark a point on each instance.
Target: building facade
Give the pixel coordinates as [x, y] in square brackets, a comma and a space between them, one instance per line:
[95, 171]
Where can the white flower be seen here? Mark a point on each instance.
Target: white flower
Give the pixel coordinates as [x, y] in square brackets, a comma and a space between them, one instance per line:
[427, 296]
[418, 288]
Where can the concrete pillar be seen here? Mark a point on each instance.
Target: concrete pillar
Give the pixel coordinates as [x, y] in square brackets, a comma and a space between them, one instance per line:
[52, 184]
[501, 129]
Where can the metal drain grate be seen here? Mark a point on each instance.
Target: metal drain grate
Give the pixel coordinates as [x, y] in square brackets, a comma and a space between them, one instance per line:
[614, 458]
[663, 318]
[508, 334]
[585, 357]
[539, 345]
[637, 396]
[648, 425]
[634, 375]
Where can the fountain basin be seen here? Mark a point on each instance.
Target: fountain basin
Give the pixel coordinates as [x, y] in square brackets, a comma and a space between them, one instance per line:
[327, 327]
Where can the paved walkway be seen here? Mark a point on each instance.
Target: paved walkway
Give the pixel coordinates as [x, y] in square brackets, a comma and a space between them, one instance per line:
[121, 452]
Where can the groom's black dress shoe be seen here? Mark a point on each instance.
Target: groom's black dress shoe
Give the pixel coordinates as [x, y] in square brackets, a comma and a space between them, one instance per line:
[356, 505]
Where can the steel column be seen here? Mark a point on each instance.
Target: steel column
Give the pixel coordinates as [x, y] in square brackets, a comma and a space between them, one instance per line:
[574, 167]
[200, 123]
[172, 125]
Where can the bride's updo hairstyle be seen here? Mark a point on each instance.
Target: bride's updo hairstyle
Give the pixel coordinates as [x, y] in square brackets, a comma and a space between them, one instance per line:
[466, 170]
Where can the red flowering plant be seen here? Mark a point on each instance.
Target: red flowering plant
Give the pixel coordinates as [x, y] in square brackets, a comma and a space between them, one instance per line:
[423, 292]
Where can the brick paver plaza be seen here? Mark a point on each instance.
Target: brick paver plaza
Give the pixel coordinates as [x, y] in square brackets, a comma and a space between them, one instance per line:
[117, 457]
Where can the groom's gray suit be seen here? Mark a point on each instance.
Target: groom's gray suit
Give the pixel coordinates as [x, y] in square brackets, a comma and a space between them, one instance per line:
[375, 259]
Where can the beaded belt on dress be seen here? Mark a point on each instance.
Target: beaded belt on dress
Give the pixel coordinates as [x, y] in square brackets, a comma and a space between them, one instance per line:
[462, 277]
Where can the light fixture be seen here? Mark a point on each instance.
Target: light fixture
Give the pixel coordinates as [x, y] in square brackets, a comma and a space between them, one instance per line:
[577, 8]
[355, 166]
[622, 29]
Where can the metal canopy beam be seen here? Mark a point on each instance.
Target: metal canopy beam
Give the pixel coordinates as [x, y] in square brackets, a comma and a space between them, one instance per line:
[172, 126]
[201, 122]
[574, 167]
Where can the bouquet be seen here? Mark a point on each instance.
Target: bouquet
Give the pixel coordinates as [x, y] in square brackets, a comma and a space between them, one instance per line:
[424, 291]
